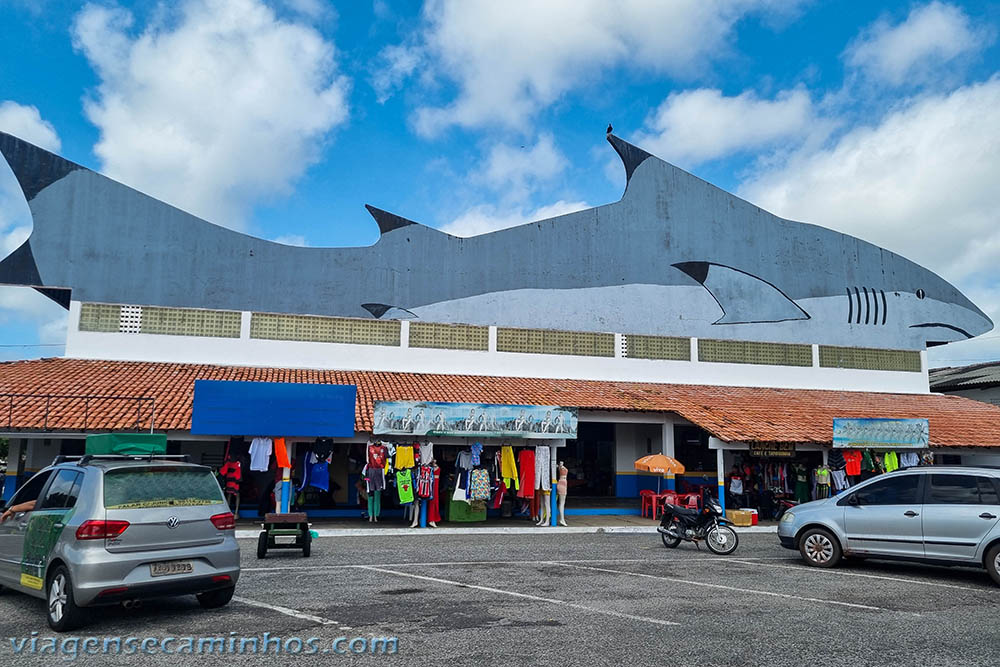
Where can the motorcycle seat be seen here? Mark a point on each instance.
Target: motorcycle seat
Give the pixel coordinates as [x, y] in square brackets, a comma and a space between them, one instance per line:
[677, 510]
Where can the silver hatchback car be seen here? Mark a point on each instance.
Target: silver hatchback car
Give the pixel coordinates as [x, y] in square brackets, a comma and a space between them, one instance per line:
[100, 530]
[947, 515]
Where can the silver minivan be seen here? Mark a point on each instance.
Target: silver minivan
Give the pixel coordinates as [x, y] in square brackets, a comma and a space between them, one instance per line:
[938, 514]
[100, 530]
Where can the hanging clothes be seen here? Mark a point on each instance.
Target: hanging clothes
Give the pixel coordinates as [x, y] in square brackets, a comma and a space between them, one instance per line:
[425, 482]
[404, 486]
[476, 451]
[318, 472]
[526, 463]
[891, 461]
[374, 478]
[840, 482]
[434, 503]
[404, 457]
[426, 453]
[909, 459]
[543, 471]
[508, 468]
[377, 455]
[479, 484]
[232, 474]
[852, 462]
[260, 454]
[281, 453]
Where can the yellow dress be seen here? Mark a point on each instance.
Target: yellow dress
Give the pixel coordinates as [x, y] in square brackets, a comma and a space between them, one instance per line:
[508, 467]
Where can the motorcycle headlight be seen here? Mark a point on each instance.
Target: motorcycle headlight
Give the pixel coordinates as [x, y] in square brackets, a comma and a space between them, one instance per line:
[787, 517]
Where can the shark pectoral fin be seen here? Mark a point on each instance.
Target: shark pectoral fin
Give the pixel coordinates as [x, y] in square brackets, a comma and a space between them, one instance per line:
[743, 297]
[19, 268]
[384, 311]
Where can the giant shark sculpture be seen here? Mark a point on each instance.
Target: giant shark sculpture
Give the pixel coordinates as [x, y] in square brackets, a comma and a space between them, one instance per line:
[676, 256]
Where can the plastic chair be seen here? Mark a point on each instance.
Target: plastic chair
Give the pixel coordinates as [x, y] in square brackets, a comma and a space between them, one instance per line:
[691, 501]
[664, 498]
[648, 499]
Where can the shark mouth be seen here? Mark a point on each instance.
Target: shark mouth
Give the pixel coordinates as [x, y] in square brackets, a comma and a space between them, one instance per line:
[927, 325]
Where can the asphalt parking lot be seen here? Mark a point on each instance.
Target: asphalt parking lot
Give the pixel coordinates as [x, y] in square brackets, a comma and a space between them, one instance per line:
[571, 599]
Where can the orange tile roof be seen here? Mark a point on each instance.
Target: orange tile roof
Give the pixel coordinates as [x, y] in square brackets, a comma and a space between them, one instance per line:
[734, 414]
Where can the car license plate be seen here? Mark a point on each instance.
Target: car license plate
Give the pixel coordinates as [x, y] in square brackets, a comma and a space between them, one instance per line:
[169, 567]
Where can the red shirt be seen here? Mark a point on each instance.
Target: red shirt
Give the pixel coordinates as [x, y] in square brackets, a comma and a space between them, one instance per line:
[376, 456]
[853, 459]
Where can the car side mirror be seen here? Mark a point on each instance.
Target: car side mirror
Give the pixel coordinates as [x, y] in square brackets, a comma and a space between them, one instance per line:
[853, 500]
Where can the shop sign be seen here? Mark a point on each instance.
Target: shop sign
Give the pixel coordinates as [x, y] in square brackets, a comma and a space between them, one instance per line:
[773, 449]
[887, 433]
[479, 420]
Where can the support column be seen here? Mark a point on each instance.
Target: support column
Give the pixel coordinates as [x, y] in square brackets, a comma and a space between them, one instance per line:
[553, 501]
[667, 440]
[720, 467]
[15, 467]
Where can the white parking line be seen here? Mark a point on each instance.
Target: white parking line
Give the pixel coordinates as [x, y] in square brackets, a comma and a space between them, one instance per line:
[290, 612]
[816, 570]
[494, 562]
[722, 587]
[565, 603]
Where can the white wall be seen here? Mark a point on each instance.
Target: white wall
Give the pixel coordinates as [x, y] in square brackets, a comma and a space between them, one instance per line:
[987, 395]
[292, 354]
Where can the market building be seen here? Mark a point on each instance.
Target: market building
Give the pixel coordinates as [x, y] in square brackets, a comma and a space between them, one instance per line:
[980, 382]
[681, 319]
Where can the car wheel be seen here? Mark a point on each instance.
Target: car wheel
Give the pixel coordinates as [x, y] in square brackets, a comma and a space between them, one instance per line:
[993, 562]
[262, 544]
[819, 548]
[217, 598]
[63, 614]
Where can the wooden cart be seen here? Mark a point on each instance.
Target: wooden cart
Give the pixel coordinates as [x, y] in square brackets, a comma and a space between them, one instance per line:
[284, 526]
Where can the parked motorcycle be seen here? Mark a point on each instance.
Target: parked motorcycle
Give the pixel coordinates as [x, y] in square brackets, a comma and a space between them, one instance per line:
[694, 525]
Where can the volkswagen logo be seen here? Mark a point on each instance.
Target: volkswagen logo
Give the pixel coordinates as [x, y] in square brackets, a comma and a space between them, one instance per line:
[172, 522]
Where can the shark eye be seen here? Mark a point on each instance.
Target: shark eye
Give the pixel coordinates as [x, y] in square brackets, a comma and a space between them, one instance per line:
[920, 294]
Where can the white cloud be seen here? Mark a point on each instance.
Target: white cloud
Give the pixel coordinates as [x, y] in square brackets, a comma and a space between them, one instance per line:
[922, 182]
[214, 106]
[698, 125]
[509, 59]
[488, 218]
[26, 123]
[517, 170]
[395, 64]
[915, 50]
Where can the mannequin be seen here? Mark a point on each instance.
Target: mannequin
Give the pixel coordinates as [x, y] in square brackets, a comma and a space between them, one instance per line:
[561, 488]
[433, 508]
[543, 509]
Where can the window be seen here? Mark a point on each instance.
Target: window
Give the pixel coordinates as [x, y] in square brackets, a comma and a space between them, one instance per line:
[132, 488]
[31, 489]
[962, 490]
[63, 491]
[894, 491]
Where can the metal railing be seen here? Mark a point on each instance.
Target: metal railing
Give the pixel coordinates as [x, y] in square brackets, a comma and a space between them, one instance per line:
[140, 401]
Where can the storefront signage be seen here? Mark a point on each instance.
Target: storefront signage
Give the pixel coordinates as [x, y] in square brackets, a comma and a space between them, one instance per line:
[773, 449]
[474, 420]
[887, 433]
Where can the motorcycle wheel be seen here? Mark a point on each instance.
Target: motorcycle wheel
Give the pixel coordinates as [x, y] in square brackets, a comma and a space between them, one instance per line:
[722, 540]
[670, 542]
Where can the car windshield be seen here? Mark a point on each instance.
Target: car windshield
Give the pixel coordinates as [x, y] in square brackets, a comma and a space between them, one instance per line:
[163, 486]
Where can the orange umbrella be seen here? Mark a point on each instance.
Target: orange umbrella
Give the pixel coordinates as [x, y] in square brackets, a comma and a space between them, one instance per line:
[659, 464]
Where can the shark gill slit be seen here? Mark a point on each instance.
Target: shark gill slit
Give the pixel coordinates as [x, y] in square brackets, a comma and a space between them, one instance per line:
[857, 295]
[875, 301]
[867, 306]
[885, 307]
[850, 306]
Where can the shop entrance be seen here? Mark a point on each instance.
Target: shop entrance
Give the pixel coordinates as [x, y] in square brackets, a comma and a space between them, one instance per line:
[591, 461]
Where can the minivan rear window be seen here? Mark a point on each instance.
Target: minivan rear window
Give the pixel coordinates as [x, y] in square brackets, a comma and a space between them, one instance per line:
[161, 486]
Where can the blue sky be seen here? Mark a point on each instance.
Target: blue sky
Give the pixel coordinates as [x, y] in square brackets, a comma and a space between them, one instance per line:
[283, 118]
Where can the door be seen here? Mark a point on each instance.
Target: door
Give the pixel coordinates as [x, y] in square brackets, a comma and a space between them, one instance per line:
[45, 526]
[883, 517]
[12, 530]
[959, 511]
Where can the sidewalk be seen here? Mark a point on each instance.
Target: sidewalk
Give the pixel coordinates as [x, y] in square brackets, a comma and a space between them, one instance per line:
[607, 523]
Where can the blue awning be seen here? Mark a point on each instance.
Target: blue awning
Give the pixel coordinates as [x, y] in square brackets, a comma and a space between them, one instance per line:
[277, 409]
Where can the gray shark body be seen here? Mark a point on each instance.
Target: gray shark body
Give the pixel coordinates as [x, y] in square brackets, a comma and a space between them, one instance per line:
[675, 256]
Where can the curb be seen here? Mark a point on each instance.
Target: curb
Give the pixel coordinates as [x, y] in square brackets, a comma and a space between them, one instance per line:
[244, 534]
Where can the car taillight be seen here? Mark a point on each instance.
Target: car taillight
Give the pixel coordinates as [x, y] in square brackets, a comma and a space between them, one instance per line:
[225, 521]
[98, 530]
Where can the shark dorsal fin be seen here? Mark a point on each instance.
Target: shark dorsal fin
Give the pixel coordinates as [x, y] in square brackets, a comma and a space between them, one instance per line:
[632, 156]
[34, 168]
[386, 221]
